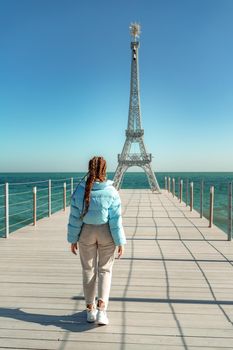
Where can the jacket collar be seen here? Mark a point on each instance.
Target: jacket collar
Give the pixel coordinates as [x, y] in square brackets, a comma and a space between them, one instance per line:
[98, 185]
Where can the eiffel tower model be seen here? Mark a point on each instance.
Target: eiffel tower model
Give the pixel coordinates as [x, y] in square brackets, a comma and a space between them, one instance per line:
[134, 132]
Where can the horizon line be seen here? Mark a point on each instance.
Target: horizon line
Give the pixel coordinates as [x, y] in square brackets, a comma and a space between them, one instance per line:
[84, 171]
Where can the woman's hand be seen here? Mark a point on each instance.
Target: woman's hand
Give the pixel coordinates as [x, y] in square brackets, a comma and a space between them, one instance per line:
[74, 248]
[120, 251]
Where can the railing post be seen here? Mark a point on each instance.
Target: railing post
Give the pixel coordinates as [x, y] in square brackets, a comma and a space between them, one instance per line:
[49, 198]
[211, 217]
[6, 210]
[201, 198]
[169, 184]
[71, 186]
[191, 196]
[64, 196]
[230, 211]
[178, 186]
[34, 206]
[173, 187]
[187, 190]
[181, 190]
[165, 181]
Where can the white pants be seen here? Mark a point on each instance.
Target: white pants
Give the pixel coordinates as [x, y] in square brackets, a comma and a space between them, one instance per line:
[96, 249]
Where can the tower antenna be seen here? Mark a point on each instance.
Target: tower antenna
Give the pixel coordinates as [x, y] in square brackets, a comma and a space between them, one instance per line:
[135, 30]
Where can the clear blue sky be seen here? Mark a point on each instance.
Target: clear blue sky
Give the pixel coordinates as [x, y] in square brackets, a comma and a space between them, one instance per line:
[64, 82]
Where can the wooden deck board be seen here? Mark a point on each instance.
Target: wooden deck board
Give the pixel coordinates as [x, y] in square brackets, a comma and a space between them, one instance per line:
[172, 289]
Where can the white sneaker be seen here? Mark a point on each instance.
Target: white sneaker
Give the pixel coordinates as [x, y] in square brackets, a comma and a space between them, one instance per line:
[91, 315]
[102, 318]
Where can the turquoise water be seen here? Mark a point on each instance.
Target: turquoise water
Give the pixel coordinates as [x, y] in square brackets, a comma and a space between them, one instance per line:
[21, 200]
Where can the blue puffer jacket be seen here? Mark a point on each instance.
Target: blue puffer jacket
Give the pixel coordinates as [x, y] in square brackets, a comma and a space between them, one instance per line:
[105, 206]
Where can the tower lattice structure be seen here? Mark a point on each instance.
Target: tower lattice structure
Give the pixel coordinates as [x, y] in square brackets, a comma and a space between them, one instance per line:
[134, 132]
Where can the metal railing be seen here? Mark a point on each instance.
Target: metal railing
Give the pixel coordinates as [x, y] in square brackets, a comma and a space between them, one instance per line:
[189, 199]
[20, 206]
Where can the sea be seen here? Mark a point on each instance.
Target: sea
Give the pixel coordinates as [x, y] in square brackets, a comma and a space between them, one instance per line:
[21, 197]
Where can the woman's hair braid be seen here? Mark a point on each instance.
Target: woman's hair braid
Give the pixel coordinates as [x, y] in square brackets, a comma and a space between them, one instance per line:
[97, 170]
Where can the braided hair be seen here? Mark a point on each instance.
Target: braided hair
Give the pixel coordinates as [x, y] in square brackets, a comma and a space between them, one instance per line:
[97, 171]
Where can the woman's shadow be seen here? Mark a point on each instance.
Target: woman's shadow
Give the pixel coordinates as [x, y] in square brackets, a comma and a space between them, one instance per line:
[73, 323]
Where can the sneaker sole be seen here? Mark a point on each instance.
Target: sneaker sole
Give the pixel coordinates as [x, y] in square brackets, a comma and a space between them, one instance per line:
[103, 323]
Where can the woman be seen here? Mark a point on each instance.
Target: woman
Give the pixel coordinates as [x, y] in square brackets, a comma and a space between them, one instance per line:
[95, 223]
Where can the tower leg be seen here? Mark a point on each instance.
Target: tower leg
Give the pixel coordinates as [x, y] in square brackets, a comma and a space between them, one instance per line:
[151, 178]
[119, 174]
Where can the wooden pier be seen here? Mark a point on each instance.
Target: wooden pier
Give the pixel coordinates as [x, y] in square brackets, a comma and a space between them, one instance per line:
[173, 289]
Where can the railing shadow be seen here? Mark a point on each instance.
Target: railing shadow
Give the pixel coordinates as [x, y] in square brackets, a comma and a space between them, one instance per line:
[167, 300]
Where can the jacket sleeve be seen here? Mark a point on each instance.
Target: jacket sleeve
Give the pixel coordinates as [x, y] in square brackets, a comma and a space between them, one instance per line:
[75, 223]
[115, 222]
